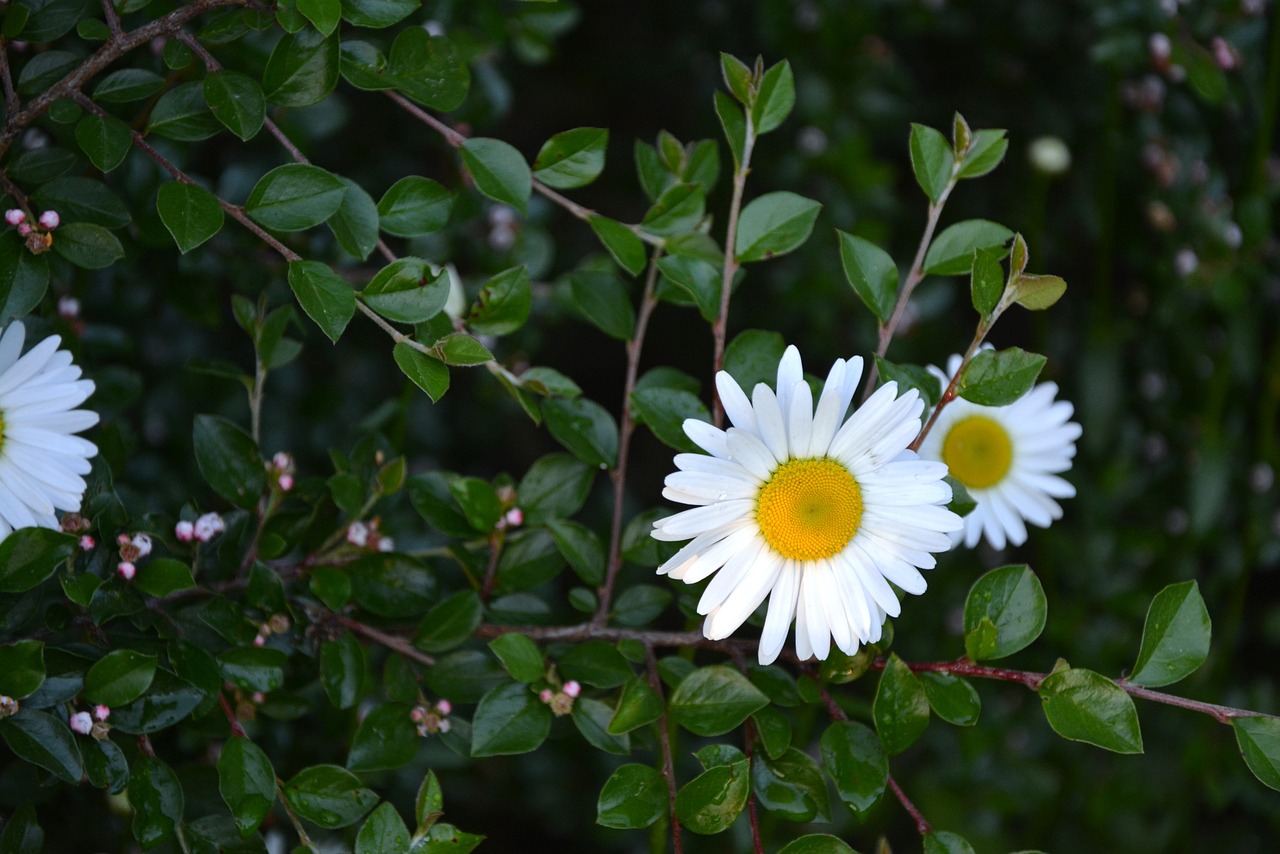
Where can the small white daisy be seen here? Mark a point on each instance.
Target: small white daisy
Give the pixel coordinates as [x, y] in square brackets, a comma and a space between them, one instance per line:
[817, 512]
[42, 466]
[1008, 457]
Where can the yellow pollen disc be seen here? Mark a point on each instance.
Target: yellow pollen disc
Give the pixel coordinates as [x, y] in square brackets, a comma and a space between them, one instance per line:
[809, 509]
[978, 452]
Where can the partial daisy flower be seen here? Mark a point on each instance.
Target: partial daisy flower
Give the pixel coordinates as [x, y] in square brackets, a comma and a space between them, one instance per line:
[818, 512]
[1008, 457]
[42, 465]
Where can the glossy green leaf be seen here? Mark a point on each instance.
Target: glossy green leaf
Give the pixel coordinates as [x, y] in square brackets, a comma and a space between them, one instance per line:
[414, 206]
[237, 101]
[324, 14]
[21, 668]
[503, 304]
[640, 604]
[167, 701]
[952, 698]
[945, 842]
[459, 348]
[871, 273]
[854, 757]
[428, 69]
[634, 796]
[355, 223]
[450, 622]
[87, 245]
[182, 114]
[302, 69]
[790, 786]
[999, 377]
[520, 656]
[229, 460]
[595, 663]
[986, 149]
[126, 85]
[710, 802]
[253, 668]
[774, 224]
[1085, 706]
[509, 719]
[383, 832]
[623, 244]
[105, 139]
[157, 800]
[407, 291]
[910, 376]
[986, 282]
[901, 708]
[343, 663]
[1011, 600]
[1036, 293]
[581, 547]
[733, 121]
[119, 677]
[572, 159]
[556, 486]
[323, 295]
[377, 14]
[584, 427]
[247, 783]
[499, 171]
[1259, 741]
[24, 277]
[46, 741]
[951, 252]
[604, 300]
[191, 213]
[591, 717]
[817, 843]
[385, 739]
[665, 410]
[465, 675]
[752, 357]
[775, 97]
[22, 833]
[638, 705]
[80, 199]
[714, 700]
[295, 197]
[678, 209]
[737, 77]
[329, 796]
[931, 160]
[427, 373]
[1175, 638]
[30, 555]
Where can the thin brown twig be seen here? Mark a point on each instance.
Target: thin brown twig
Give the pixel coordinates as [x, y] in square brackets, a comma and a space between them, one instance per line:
[113, 17]
[753, 815]
[236, 728]
[11, 104]
[922, 825]
[664, 740]
[391, 642]
[491, 568]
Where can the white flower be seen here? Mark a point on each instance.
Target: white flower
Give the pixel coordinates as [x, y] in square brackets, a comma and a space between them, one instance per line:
[184, 531]
[209, 526]
[142, 542]
[818, 512]
[42, 465]
[358, 534]
[81, 722]
[1008, 457]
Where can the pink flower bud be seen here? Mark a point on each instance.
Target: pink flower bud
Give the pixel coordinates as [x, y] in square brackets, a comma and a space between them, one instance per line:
[572, 688]
[444, 707]
[386, 544]
[358, 534]
[515, 517]
[1160, 46]
[81, 722]
[545, 695]
[259, 640]
[417, 714]
[259, 697]
[101, 712]
[121, 539]
[282, 461]
[50, 220]
[286, 482]
[127, 570]
[68, 307]
[87, 543]
[24, 228]
[184, 531]
[13, 216]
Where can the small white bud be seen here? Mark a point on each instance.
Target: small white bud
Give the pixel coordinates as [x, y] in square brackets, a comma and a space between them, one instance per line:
[81, 722]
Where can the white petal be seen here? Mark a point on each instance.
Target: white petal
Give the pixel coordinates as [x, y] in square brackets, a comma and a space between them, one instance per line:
[751, 453]
[735, 571]
[706, 436]
[782, 609]
[800, 419]
[769, 421]
[745, 598]
[735, 402]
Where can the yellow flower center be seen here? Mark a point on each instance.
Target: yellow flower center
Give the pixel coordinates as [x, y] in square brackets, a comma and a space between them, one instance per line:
[978, 452]
[809, 509]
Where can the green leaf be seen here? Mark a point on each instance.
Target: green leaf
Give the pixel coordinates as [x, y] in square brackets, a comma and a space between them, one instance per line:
[428, 69]
[1036, 293]
[623, 243]
[945, 842]
[584, 427]
[499, 171]
[105, 139]
[503, 304]
[22, 834]
[901, 708]
[595, 663]
[408, 291]
[509, 720]
[30, 555]
[87, 245]
[1085, 706]
[737, 77]
[119, 677]
[459, 348]
[465, 675]
[385, 739]
[855, 759]
[1259, 741]
[323, 13]
[710, 802]
[182, 114]
[910, 376]
[986, 150]
[253, 668]
[329, 796]
[414, 206]
[775, 97]
[21, 668]
[665, 410]
[986, 284]
[384, 832]
[450, 622]
[638, 705]
[591, 717]
[752, 357]
[355, 224]
[377, 14]
[572, 159]
[580, 546]
[427, 373]
[126, 85]
[713, 700]
[640, 604]
[447, 839]
[1175, 638]
[817, 843]
[190, 212]
[953, 699]
[237, 101]
[555, 487]
[24, 277]
[604, 300]
[871, 272]
[302, 69]
[157, 800]
[323, 295]
[733, 120]
[167, 701]
[931, 160]
[951, 252]
[229, 460]
[295, 197]
[82, 199]
[999, 377]
[247, 783]
[520, 656]
[342, 670]
[634, 796]
[678, 209]
[791, 786]
[774, 224]
[46, 741]
[1012, 601]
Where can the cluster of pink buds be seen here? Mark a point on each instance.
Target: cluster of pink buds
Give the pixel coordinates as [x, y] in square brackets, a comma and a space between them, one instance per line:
[74, 523]
[281, 469]
[247, 706]
[8, 706]
[94, 724]
[561, 702]
[37, 236]
[276, 624]
[202, 530]
[512, 515]
[431, 719]
[132, 549]
[365, 535]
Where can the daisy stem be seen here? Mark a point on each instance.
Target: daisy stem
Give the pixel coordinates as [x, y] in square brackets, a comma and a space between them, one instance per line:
[664, 739]
[626, 428]
[720, 327]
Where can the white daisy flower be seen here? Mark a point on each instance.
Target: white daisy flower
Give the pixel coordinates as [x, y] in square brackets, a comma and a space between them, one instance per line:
[818, 512]
[1008, 457]
[42, 465]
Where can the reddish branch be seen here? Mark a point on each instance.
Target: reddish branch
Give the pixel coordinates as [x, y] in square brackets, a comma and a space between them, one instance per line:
[664, 739]
[922, 825]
